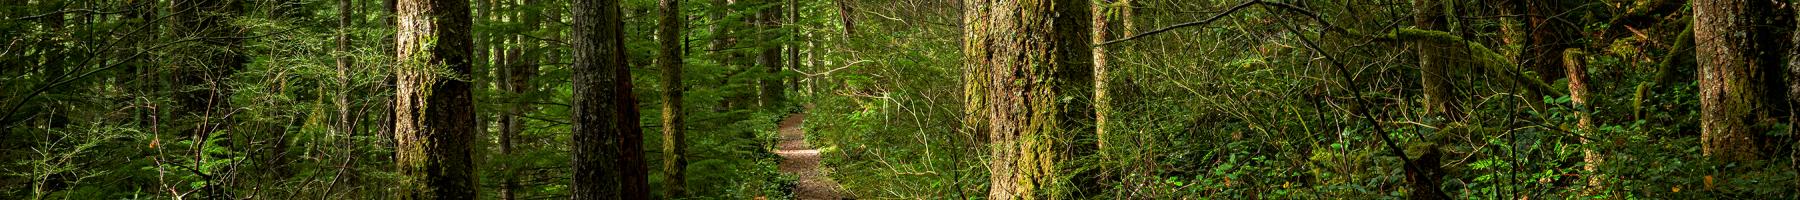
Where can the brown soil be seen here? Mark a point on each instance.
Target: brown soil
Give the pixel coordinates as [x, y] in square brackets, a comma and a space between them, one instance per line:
[802, 160]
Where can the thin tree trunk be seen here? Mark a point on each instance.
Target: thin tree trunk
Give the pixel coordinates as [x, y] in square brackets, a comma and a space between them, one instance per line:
[1102, 103]
[1037, 54]
[1578, 94]
[434, 117]
[674, 126]
[609, 157]
[793, 46]
[343, 68]
[1125, 18]
[847, 15]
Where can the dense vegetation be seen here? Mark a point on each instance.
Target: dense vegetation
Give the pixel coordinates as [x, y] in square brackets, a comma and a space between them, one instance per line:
[904, 99]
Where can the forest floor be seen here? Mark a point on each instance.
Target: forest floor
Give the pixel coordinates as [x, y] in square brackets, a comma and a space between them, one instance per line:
[802, 160]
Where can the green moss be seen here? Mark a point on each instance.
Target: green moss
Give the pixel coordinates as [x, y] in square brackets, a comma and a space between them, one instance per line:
[1413, 34]
[1486, 58]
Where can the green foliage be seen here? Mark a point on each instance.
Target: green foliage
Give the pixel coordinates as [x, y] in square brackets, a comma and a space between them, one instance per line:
[1237, 109]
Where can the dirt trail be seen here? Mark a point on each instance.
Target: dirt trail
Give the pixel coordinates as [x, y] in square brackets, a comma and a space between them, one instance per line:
[802, 160]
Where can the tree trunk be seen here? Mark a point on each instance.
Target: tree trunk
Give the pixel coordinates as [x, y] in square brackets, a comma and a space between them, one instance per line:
[793, 46]
[1737, 66]
[1102, 103]
[609, 156]
[847, 16]
[434, 116]
[1037, 55]
[674, 126]
[343, 68]
[1125, 18]
[975, 72]
[773, 91]
[1434, 61]
[1584, 125]
[518, 83]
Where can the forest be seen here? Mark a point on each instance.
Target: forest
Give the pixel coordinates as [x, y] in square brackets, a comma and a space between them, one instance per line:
[899, 99]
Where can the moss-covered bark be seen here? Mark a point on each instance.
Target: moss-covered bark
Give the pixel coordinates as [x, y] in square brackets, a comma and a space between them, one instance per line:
[1102, 101]
[1037, 56]
[1481, 57]
[1579, 95]
[434, 121]
[1734, 48]
[673, 122]
[1435, 58]
[975, 71]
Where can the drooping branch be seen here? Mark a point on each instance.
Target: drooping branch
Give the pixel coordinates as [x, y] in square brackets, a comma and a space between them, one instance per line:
[1278, 5]
[1208, 20]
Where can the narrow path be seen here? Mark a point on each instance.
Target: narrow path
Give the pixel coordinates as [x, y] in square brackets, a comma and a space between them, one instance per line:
[802, 160]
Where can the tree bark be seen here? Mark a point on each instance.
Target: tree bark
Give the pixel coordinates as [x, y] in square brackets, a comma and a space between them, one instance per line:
[434, 116]
[1584, 125]
[518, 84]
[609, 157]
[1733, 46]
[1434, 59]
[975, 71]
[1102, 102]
[1037, 55]
[1125, 18]
[847, 16]
[343, 68]
[674, 125]
[773, 91]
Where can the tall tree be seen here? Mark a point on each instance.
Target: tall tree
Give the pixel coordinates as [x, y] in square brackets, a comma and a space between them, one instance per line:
[1102, 102]
[434, 122]
[974, 72]
[674, 125]
[1736, 48]
[609, 157]
[1037, 56]
[343, 68]
[1434, 61]
[518, 83]
[773, 91]
[1579, 95]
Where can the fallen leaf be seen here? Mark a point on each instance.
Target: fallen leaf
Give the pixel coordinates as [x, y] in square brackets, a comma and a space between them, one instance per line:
[1709, 183]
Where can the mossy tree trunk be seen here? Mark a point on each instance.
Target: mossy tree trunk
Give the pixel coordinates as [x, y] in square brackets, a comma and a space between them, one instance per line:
[1740, 72]
[434, 110]
[1435, 59]
[1036, 54]
[1102, 102]
[1584, 125]
[608, 142]
[974, 71]
[674, 134]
